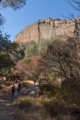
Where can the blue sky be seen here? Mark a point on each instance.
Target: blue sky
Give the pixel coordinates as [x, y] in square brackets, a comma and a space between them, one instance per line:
[33, 11]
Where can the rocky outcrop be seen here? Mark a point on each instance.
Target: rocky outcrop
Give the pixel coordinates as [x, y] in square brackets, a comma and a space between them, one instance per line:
[46, 29]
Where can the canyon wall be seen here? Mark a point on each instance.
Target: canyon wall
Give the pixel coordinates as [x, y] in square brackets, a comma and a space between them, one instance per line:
[46, 29]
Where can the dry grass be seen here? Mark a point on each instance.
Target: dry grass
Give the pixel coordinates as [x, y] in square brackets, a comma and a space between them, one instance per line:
[35, 115]
[3, 90]
[22, 115]
[28, 108]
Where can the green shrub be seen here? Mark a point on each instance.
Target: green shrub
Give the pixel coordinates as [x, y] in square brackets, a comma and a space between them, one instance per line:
[49, 90]
[27, 59]
[31, 49]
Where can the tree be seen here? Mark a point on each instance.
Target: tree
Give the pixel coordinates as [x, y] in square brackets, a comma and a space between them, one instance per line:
[7, 50]
[75, 4]
[34, 73]
[63, 59]
[2, 20]
[31, 49]
[15, 4]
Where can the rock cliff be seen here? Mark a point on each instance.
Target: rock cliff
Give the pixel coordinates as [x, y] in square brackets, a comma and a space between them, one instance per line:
[46, 29]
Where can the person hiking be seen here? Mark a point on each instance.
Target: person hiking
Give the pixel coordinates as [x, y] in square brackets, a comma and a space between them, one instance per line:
[34, 82]
[13, 90]
[19, 88]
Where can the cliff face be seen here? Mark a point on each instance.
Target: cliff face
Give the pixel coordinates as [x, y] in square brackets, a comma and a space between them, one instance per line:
[46, 29]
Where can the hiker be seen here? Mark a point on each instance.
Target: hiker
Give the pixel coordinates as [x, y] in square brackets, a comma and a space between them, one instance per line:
[34, 82]
[13, 90]
[19, 88]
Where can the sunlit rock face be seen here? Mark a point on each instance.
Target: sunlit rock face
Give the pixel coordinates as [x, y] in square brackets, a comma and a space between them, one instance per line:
[46, 29]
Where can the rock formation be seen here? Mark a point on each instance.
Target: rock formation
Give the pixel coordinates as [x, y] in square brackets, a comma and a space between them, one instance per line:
[46, 29]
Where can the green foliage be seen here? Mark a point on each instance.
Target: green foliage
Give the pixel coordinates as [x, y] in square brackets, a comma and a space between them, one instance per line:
[5, 60]
[35, 72]
[27, 60]
[43, 44]
[8, 51]
[15, 4]
[2, 19]
[6, 54]
[31, 49]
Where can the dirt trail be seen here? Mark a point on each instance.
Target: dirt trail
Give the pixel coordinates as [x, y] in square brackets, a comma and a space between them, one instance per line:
[6, 107]
[6, 110]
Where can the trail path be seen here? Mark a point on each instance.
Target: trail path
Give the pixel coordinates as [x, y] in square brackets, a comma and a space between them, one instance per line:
[6, 110]
[6, 107]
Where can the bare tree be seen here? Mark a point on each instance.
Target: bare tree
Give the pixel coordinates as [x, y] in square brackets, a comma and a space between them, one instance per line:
[75, 4]
[63, 58]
